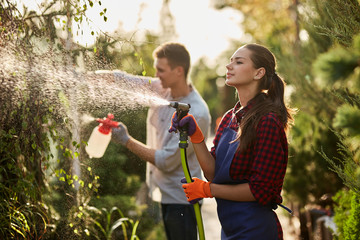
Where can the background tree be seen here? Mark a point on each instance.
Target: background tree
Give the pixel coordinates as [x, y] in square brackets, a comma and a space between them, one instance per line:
[340, 67]
[42, 197]
[299, 32]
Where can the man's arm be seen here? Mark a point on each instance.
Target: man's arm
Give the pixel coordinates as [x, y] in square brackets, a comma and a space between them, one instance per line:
[141, 150]
[121, 136]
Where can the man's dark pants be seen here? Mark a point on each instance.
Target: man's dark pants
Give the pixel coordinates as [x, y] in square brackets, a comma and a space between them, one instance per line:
[179, 221]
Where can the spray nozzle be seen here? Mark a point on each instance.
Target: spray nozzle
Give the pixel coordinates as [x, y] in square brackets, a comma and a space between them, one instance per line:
[180, 106]
[106, 124]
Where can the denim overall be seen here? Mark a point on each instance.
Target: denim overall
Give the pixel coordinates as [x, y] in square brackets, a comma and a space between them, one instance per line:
[240, 220]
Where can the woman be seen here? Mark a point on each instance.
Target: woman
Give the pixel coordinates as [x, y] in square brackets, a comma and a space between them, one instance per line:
[246, 166]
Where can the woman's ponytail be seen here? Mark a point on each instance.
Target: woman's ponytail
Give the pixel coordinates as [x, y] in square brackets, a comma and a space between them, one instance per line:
[276, 88]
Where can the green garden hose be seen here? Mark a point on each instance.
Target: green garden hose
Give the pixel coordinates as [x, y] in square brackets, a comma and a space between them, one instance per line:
[183, 145]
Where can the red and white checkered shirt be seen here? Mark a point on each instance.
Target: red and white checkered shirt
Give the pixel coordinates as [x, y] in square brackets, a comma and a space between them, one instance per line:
[264, 162]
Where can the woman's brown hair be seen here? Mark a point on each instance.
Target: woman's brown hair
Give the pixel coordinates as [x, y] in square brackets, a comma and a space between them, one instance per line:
[271, 99]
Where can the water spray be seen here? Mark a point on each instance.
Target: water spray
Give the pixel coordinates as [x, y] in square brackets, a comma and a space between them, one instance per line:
[182, 110]
[101, 136]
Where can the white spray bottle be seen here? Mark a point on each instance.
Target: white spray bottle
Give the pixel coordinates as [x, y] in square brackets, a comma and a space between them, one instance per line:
[100, 137]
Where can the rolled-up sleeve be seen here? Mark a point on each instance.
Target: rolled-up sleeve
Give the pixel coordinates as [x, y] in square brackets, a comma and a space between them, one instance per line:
[167, 158]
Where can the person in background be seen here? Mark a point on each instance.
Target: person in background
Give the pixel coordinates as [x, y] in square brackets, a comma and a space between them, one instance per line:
[246, 166]
[161, 152]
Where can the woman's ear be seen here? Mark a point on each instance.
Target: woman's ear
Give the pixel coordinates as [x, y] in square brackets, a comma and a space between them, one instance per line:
[260, 73]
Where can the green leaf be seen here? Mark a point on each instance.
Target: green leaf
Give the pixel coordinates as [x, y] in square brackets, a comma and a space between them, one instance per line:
[117, 224]
[133, 234]
[81, 182]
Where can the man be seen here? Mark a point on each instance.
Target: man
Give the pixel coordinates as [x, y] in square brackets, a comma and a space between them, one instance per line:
[162, 153]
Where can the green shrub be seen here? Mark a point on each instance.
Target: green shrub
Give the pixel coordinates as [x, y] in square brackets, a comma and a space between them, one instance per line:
[347, 215]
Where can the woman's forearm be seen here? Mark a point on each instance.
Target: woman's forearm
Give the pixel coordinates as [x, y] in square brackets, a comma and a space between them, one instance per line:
[206, 160]
[236, 192]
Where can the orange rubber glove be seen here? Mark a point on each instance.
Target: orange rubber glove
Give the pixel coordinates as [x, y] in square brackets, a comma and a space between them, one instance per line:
[195, 133]
[197, 189]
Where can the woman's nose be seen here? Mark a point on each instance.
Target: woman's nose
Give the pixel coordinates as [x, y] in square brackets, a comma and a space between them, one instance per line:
[228, 66]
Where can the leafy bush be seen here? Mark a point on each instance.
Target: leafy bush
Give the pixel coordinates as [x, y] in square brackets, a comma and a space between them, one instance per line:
[24, 153]
[347, 217]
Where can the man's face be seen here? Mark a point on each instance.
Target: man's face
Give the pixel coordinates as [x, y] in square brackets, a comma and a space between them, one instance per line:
[164, 72]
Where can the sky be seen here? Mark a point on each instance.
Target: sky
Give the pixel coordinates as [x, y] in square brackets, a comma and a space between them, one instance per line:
[204, 30]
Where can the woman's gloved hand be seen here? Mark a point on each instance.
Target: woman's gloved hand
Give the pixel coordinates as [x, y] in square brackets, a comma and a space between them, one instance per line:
[197, 190]
[183, 180]
[193, 130]
[120, 134]
[174, 123]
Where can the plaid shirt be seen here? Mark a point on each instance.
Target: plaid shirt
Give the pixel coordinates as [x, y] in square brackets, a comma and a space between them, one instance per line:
[264, 162]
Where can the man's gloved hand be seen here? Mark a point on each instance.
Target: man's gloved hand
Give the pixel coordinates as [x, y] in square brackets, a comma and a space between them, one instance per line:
[197, 190]
[120, 134]
[194, 132]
